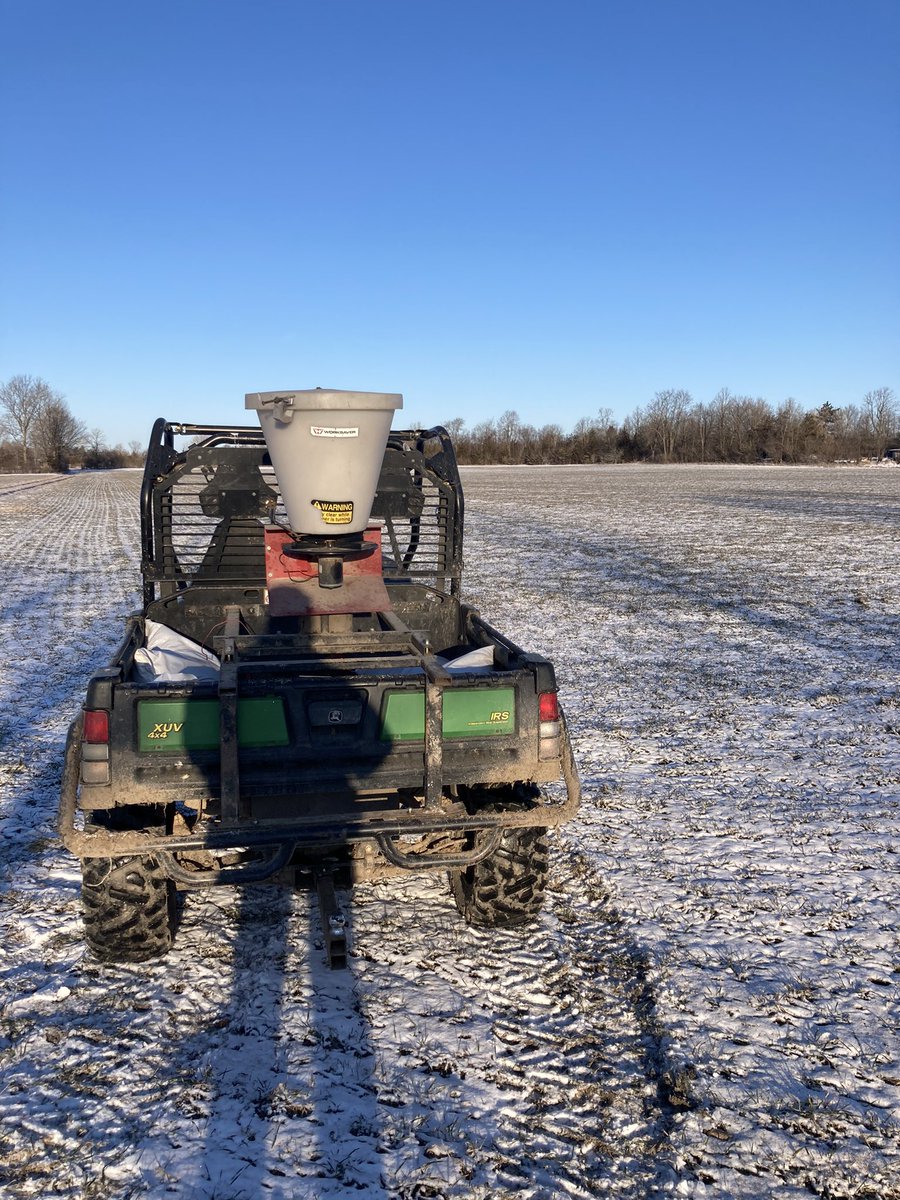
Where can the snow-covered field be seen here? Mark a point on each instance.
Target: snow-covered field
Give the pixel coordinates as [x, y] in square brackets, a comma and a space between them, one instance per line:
[708, 1007]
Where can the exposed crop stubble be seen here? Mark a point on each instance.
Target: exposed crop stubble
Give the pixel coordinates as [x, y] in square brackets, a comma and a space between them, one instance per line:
[728, 642]
[708, 1007]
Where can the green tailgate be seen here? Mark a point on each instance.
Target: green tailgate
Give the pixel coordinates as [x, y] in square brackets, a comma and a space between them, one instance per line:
[468, 712]
[194, 724]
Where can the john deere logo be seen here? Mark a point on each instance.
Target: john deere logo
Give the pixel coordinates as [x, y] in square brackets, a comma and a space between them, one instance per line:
[334, 512]
[336, 716]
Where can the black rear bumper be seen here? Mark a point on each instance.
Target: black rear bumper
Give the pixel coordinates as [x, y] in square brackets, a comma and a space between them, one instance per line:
[382, 822]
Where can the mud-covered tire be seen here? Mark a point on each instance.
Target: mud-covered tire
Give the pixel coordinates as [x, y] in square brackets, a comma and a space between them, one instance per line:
[507, 888]
[128, 907]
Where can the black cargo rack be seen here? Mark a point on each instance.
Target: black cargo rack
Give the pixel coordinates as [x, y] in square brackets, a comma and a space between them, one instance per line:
[202, 511]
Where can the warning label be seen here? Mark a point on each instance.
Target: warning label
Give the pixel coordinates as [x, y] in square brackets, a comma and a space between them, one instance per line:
[335, 512]
[334, 431]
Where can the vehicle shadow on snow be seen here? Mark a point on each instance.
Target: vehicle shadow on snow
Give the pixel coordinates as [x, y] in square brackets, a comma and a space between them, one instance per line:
[292, 1100]
[285, 1062]
[233, 1067]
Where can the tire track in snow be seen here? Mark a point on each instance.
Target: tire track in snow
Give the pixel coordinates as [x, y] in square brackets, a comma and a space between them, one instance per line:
[565, 1091]
[726, 646]
[447, 1062]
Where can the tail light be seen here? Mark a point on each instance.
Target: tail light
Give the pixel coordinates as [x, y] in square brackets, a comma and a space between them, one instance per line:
[95, 746]
[96, 725]
[549, 729]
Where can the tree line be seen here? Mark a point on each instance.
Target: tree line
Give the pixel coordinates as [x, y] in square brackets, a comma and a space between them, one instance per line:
[39, 432]
[674, 428]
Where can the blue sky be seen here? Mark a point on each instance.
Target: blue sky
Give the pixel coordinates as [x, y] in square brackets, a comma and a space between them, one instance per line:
[552, 207]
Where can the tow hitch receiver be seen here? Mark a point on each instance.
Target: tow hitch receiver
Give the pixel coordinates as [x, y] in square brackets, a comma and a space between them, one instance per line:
[334, 923]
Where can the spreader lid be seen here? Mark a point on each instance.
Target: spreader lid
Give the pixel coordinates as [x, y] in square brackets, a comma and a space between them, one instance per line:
[322, 398]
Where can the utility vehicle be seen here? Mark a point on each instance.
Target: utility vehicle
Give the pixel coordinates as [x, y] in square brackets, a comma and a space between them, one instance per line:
[304, 696]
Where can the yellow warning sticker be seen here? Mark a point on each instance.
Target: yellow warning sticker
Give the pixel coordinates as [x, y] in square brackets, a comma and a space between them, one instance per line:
[335, 512]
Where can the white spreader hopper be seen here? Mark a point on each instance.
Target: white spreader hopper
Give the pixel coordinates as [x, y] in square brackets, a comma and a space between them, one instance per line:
[326, 448]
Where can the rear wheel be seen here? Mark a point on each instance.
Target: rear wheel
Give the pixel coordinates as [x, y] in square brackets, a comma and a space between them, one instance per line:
[128, 906]
[507, 888]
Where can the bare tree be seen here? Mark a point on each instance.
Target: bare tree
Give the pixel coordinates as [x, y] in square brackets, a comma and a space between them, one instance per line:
[672, 428]
[509, 433]
[57, 434]
[722, 423]
[882, 418]
[22, 399]
[549, 441]
[454, 427]
[484, 444]
[665, 415]
[635, 439]
[584, 440]
[701, 422]
[849, 432]
[784, 440]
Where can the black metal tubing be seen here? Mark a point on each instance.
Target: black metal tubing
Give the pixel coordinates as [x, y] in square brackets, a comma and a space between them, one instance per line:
[158, 461]
[450, 475]
[251, 873]
[484, 847]
[435, 680]
[103, 843]
[215, 434]
[333, 645]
